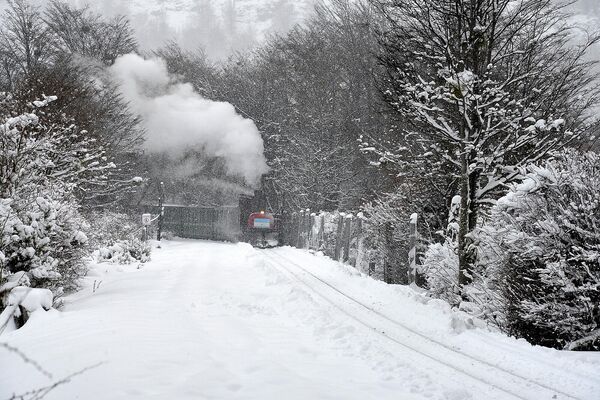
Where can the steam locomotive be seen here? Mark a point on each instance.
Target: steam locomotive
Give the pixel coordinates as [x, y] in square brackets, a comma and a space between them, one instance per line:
[261, 230]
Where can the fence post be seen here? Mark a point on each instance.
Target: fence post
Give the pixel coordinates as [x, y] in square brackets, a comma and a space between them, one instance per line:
[388, 235]
[321, 239]
[308, 226]
[358, 243]
[296, 230]
[300, 228]
[347, 234]
[161, 210]
[299, 231]
[338, 237]
[412, 253]
[146, 220]
[314, 239]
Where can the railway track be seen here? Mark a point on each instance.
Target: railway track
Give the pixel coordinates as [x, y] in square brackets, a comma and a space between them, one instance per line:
[477, 369]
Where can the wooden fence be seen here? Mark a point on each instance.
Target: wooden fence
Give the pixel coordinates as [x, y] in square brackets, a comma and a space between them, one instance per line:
[344, 237]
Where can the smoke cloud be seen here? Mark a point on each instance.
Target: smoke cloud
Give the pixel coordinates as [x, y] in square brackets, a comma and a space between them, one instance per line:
[177, 119]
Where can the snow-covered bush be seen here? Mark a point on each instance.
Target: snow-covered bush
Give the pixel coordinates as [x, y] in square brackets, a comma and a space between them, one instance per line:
[124, 252]
[109, 227]
[43, 237]
[386, 235]
[440, 269]
[115, 238]
[45, 161]
[543, 244]
[439, 265]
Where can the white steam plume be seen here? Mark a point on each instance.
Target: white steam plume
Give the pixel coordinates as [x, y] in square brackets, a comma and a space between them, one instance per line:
[177, 118]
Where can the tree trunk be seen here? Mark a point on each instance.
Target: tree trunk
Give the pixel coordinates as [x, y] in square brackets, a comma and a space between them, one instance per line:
[473, 203]
[469, 213]
[464, 265]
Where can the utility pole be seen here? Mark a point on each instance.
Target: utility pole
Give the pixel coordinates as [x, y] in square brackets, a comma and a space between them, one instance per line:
[161, 210]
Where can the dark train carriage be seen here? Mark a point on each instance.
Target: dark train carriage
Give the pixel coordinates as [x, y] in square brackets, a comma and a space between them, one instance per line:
[209, 223]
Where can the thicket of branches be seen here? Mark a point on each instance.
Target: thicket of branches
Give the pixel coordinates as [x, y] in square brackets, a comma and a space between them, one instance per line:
[68, 143]
[413, 106]
[489, 86]
[390, 107]
[312, 95]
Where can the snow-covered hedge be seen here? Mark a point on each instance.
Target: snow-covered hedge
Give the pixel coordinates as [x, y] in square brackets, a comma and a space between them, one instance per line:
[115, 238]
[542, 243]
[109, 227]
[43, 237]
[124, 252]
[41, 230]
[47, 166]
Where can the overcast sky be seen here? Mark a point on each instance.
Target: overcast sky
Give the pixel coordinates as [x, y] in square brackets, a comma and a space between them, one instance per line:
[195, 23]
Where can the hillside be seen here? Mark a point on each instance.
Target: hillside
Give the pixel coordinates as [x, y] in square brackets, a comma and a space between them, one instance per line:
[220, 26]
[224, 26]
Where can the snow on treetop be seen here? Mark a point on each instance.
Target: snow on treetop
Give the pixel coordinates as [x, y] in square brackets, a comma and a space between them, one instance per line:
[21, 121]
[463, 82]
[45, 102]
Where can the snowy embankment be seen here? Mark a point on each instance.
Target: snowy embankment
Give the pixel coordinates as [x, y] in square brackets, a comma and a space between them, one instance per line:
[223, 321]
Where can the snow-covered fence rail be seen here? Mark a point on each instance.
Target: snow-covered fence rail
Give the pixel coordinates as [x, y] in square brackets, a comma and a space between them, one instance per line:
[354, 239]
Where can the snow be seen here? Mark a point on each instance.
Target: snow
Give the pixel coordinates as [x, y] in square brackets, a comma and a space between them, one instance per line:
[19, 278]
[209, 320]
[540, 124]
[413, 218]
[463, 81]
[31, 299]
[45, 102]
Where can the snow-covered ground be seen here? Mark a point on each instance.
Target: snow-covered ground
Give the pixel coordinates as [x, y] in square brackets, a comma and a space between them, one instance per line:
[225, 321]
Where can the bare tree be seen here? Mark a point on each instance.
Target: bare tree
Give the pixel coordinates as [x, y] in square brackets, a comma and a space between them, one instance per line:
[312, 95]
[82, 32]
[25, 41]
[486, 86]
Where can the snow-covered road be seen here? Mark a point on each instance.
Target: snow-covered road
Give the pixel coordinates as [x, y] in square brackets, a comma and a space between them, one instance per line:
[225, 321]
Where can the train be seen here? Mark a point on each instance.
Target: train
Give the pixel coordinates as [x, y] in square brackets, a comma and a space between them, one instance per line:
[262, 230]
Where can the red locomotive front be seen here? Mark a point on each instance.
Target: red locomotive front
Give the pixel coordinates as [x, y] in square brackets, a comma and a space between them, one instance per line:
[261, 229]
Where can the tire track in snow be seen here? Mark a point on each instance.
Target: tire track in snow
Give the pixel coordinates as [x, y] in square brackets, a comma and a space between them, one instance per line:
[514, 378]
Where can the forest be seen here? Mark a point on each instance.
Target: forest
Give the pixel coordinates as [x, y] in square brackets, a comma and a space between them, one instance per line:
[480, 116]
